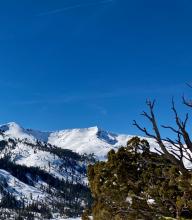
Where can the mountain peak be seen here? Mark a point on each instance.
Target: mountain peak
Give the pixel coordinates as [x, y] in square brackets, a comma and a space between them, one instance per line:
[95, 129]
[10, 126]
[14, 130]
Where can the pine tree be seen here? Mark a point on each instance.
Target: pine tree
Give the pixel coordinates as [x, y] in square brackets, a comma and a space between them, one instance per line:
[135, 183]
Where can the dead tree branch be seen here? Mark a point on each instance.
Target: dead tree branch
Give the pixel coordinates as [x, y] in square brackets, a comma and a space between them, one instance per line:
[173, 156]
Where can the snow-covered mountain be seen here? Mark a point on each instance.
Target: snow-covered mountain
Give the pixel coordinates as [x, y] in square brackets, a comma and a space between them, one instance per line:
[46, 168]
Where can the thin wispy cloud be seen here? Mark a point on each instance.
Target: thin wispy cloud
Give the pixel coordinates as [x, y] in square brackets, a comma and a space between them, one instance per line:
[71, 7]
[85, 97]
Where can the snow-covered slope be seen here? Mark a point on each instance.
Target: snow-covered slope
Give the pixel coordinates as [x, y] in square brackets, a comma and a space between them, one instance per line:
[20, 189]
[87, 140]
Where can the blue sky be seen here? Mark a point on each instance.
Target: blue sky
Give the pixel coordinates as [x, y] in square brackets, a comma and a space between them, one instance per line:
[80, 63]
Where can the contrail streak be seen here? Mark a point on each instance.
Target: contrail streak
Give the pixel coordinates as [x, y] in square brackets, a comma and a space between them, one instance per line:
[73, 7]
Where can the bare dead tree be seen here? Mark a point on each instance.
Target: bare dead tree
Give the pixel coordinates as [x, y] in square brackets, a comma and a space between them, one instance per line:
[189, 101]
[178, 150]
